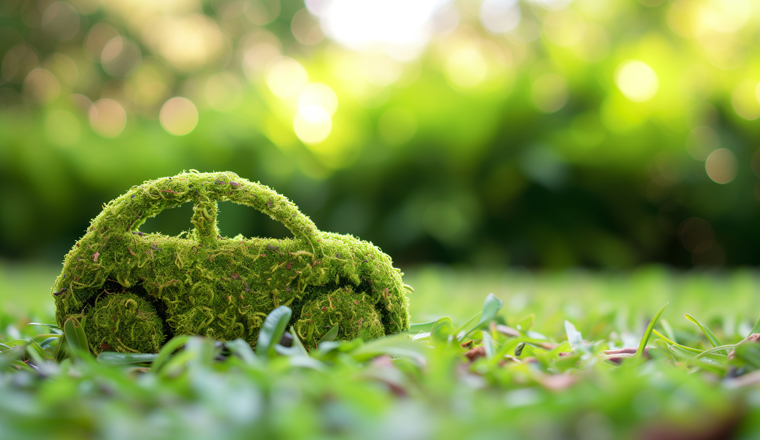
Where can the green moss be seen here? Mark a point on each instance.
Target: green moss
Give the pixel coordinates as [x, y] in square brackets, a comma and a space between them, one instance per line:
[202, 283]
[124, 322]
[355, 314]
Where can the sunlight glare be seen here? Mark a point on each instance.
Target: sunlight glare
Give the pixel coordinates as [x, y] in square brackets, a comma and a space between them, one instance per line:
[399, 28]
[312, 124]
[636, 80]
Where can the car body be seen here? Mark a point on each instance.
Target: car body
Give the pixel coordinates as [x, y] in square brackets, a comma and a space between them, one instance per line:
[136, 290]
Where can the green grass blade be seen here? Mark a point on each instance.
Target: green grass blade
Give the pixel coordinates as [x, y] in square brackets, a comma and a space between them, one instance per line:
[710, 336]
[8, 357]
[756, 328]
[489, 345]
[74, 332]
[648, 332]
[718, 351]
[421, 327]
[574, 337]
[272, 330]
[167, 350]
[491, 307]
[37, 353]
[671, 342]
[114, 358]
[330, 335]
[667, 329]
[467, 324]
[442, 330]
[297, 344]
[526, 323]
[241, 349]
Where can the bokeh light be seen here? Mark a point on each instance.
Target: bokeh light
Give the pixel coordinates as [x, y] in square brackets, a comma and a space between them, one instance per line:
[745, 100]
[286, 77]
[224, 92]
[636, 80]
[305, 28]
[499, 16]
[187, 43]
[702, 141]
[120, 57]
[398, 28]
[725, 16]
[97, 37]
[63, 68]
[179, 116]
[107, 118]
[61, 20]
[564, 28]
[318, 94]
[18, 62]
[312, 124]
[466, 67]
[549, 92]
[721, 166]
[595, 44]
[509, 97]
[41, 86]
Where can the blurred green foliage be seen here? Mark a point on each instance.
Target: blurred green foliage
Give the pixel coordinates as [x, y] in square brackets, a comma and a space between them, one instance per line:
[541, 132]
[555, 359]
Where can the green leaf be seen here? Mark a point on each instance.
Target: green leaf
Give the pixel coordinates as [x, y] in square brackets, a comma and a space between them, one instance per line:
[747, 353]
[394, 345]
[37, 353]
[718, 352]
[77, 340]
[467, 324]
[488, 344]
[442, 330]
[671, 342]
[49, 341]
[52, 327]
[662, 344]
[755, 329]
[421, 327]
[667, 329]
[272, 330]
[167, 350]
[526, 323]
[115, 358]
[574, 337]
[705, 362]
[330, 335]
[8, 357]
[648, 332]
[713, 339]
[491, 307]
[243, 350]
[297, 344]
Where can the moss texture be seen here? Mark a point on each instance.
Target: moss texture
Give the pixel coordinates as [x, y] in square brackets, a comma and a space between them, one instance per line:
[139, 289]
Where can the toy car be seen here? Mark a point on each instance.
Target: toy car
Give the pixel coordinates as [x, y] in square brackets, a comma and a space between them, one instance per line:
[135, 290]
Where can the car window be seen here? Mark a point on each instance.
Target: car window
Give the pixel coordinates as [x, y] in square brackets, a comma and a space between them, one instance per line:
[170, 221]
[234, 219]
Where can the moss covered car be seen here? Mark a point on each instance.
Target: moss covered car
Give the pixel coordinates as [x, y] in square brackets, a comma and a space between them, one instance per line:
[136, 290]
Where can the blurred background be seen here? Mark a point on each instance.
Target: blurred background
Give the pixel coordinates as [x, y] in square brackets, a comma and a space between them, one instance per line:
[479, 133]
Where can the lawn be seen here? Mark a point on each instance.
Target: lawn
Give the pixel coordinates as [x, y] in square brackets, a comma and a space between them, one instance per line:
[540, 358]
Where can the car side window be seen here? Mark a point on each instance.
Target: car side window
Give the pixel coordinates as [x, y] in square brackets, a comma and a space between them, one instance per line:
[171, 221]
[234, 219]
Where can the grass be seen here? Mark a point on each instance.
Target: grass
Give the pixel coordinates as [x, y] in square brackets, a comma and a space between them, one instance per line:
[548, 355]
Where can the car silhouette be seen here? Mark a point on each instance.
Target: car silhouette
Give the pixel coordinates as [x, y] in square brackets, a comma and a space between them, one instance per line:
[134, 290]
